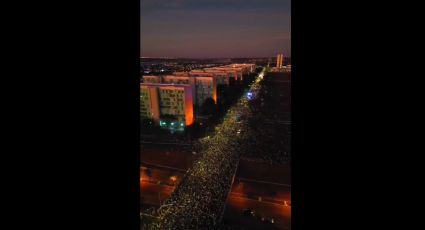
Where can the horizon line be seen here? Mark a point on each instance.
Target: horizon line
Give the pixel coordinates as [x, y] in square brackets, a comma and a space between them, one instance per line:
[207, 57]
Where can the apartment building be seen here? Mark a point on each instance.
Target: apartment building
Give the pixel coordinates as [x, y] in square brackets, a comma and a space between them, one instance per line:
[203, 85]
[169, 105]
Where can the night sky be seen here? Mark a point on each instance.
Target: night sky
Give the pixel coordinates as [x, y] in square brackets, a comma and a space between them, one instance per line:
[215, 28]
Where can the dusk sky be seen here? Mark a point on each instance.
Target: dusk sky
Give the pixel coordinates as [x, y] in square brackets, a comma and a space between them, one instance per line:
[215, 28]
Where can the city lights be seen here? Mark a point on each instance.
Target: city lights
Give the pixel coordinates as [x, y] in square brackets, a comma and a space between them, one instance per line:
[249, 95]
[173, 178]
[215, 115]
[203, 191]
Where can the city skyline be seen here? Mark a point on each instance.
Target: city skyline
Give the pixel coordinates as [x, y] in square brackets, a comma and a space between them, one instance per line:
[215, 29]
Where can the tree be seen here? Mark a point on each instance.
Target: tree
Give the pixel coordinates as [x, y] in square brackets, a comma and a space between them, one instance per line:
[168, 117]
[194, 130]
[208, 107]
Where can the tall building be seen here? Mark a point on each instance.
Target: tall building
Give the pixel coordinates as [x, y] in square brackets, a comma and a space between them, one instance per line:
[206, 87]
[221, 76]
[203, 85]
[151, 79]
[234, 73]
[279, 61]
[247, 68]
[169, 105]
[149, 102]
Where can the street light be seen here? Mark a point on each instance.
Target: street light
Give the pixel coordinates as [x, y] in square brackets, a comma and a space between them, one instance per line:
[173, 179]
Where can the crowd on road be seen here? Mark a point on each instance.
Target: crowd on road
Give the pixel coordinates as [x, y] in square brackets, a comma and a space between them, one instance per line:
[200, 198]
[269, 141]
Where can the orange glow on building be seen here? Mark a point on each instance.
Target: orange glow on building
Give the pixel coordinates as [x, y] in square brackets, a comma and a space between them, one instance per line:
[151, 101]
[197, 80]
[279, 61]
[168, 89]
[188, 106]
[215, 89]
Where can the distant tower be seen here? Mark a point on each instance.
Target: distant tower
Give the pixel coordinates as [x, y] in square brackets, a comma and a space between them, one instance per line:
[281, 61]
[278, 61]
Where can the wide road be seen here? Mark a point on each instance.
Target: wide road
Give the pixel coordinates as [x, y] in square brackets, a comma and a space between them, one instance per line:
[275, 200]
[275, 192]
[154, 194]
[181, 160]
[163, 175]
[169, 156]
[268, 194]
[280, 213]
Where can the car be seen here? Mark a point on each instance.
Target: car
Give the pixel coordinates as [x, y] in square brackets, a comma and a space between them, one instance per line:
[249, 212]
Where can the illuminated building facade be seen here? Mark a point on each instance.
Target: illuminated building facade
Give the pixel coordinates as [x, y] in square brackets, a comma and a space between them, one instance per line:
[279, 61]
[234, 73]
[151, 79]
[247, 68]
[222, 74]
[203, 86]
[206, 87]
[149, 102]
[222, 77]
[169, 105]
[168, 100]
[181, 74]
[205, 73]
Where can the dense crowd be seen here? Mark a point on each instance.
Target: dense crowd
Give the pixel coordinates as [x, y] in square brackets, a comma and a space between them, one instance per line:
[270, 139]
[199, 201]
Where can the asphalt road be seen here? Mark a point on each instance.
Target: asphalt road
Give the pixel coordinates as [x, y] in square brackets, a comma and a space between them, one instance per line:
[165, 176]
[182, 160]
[153, 194]
[271, 183]
[169, 156]
[233, 214]
[244, 194]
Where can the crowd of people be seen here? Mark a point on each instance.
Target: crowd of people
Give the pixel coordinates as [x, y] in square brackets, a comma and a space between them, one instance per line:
[199, 200]
[270, 139]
